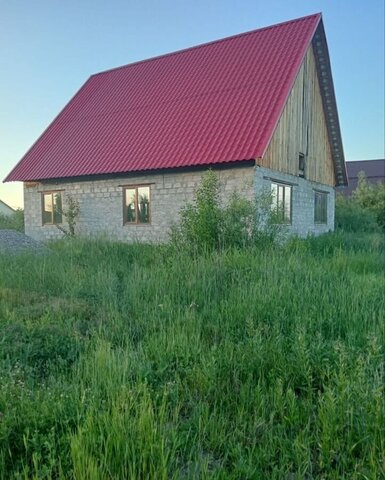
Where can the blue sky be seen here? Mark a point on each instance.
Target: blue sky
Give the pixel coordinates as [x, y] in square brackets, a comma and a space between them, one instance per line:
[48, 49]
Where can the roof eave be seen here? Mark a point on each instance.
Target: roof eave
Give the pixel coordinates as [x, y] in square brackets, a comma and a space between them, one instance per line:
[240, 163]
[322, 59]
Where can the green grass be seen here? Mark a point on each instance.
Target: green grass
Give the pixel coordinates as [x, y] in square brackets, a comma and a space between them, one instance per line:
[15, 221]
[137, 362]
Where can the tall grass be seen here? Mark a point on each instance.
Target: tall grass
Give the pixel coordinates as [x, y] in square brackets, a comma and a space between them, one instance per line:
[137, 362]
[15, 221]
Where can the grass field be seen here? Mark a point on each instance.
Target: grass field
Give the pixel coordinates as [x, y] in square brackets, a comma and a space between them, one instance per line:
[138, 362]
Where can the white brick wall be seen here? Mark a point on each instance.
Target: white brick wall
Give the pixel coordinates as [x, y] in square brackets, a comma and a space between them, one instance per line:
[302, 200]
[101, 203]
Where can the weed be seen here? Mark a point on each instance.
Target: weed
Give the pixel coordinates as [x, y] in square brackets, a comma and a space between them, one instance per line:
[135, 361]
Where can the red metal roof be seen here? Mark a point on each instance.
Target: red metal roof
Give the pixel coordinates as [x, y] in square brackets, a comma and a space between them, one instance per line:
[214, 103]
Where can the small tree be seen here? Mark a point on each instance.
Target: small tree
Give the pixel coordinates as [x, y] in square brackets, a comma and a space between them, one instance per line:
[238, 222]
[371, 197]
[206, 225]
[70, 213]
[351, 216]
[246, 223]
[200, 221]
[15, 221]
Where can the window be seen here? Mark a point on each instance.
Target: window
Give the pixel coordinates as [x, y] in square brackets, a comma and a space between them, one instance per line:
[320, 207]
[281, 202]
[301, 165]
[136, 206]
[51, 208]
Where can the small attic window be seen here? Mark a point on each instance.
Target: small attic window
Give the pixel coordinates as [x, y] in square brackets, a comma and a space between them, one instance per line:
[301, 165]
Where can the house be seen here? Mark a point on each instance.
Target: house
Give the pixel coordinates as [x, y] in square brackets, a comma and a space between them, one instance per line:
[374, 171]
[5, 209]
[131, 145]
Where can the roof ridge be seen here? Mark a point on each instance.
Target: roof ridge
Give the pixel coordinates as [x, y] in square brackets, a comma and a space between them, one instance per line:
[205, 44]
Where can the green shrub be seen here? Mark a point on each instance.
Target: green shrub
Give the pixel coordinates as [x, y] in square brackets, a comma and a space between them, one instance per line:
[352, 216]
[206, 225]
[200, 221]
[238, 222]
[13, 222]
[371, 197]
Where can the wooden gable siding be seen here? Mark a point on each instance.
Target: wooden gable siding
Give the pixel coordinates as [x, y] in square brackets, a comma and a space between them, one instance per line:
[302, 128]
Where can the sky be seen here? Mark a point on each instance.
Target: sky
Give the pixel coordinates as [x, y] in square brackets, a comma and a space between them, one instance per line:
[49, 48]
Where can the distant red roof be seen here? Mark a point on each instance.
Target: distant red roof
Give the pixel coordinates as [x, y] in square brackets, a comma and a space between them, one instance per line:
[214, 103]
[374, 171]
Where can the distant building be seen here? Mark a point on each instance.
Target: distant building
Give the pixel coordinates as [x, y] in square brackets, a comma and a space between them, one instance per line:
[6, 209]
[374, 171]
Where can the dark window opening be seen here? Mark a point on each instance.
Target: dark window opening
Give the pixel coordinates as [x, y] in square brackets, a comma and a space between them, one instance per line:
[320, 208]
[301, 165]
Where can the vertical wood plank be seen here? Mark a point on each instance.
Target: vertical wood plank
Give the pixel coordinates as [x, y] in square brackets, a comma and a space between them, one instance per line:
[302, 128]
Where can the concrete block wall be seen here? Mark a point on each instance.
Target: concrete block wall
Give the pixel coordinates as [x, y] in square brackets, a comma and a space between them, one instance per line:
[302, 200]
[101, 203]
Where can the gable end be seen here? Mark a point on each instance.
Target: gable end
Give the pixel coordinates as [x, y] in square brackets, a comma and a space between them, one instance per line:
[302, 131]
